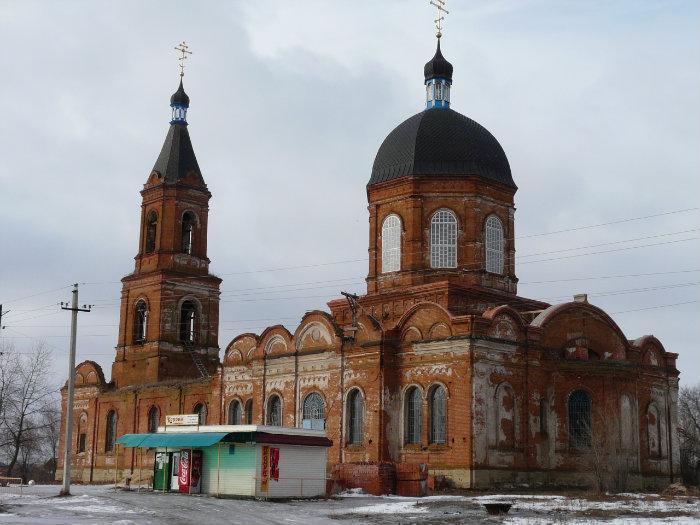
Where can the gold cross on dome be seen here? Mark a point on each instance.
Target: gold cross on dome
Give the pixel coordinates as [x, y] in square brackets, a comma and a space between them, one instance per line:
[183, 48]
[440, 6]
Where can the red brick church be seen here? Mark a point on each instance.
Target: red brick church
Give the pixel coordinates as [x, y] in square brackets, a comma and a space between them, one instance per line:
[440, 362]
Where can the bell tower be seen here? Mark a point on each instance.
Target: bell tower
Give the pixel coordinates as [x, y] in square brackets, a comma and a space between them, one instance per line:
[169, 314]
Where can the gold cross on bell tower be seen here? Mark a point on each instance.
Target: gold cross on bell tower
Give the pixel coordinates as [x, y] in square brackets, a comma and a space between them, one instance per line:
[183, 48]
[440, 6]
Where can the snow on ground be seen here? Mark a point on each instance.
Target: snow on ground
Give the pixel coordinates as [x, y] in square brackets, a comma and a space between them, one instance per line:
[100, 504]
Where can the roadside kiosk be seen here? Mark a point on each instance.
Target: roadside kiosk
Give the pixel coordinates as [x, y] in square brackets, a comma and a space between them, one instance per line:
[236, 460]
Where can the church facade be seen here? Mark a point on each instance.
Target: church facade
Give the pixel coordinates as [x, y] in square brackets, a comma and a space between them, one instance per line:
[440, 362]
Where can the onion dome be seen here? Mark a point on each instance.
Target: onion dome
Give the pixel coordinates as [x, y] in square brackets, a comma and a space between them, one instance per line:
[180, 98]
[438, 66]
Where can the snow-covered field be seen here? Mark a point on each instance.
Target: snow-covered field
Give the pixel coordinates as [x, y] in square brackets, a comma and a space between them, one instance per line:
[104, 505]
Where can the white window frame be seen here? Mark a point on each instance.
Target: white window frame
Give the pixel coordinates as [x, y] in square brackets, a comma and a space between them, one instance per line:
[443, 239]
[494, 245]
[391, 244]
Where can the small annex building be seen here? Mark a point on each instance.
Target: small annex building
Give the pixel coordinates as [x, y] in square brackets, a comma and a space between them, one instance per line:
[236, 460]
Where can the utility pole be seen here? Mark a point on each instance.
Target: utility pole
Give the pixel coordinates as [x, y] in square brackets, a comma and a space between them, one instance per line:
[68, 436]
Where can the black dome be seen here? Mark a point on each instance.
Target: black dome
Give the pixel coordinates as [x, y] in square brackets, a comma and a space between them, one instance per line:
[441, 142]
[180, 97]
[438, 66]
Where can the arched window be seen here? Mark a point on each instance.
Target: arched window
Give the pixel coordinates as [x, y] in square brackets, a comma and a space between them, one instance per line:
[234, 413]
[249, 412]
[274, 411]
[201, 410]
[494, 245]
[355, 416]
[151, 230]
[110, 431]
[140, 316]
[391, 244]
[653, 431]
[188, 223]
[443, 240]
[188, 325]
[413, 415]
[438, 410]
[313, 412]
[153, 419]
[82, 433]
[579, 419]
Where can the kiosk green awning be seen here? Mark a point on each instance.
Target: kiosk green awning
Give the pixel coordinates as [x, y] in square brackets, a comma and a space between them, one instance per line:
[174, 440]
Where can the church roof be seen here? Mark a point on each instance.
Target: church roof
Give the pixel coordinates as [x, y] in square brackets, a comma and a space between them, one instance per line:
[441, 142]
[177, 157]
[438, 66]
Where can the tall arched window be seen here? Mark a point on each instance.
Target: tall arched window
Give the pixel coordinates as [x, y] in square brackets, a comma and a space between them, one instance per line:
[438, 411]
[653, 431]
[355, 417]
[391, 244]
[313, 412]
[413, 415]
[82, 433]
[188, 325]
[274, 411]
[151, 230]
[580, 419]
[140, 316]
[153, 419]
[234, 413]
[188, 223]
[201, 410]
[494, 245]
[443, 240]
[249, 412]
[110, 431]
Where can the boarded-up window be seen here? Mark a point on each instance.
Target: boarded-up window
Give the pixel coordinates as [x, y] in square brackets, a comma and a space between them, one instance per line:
[653, 431]
[505, 416]
[110, 431]
[626, 423]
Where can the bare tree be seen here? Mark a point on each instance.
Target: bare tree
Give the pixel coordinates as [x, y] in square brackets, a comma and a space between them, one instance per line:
[27, 394]
[689, 433]
[51, 417]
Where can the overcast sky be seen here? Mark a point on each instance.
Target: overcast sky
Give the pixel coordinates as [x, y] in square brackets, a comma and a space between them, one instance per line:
[596, 104]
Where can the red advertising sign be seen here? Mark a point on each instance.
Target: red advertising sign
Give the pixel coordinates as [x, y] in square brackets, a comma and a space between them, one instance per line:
[183, 480]
[275, 464]
[264, 468]
[196, 472]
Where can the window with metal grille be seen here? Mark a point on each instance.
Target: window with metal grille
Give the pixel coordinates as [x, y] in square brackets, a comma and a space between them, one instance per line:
[580, 419]
[438, 409]
[140, 315]
[201, 410]
[151, 230]
[249, 412]
[188, 222]
[354, 414]
[313, 412]
[188, 317]
[234, 413]
[153, 419]
[110, 431]
[274, 411]
[443, 240]
[391, 244]
[494, 245]
[413, 416]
